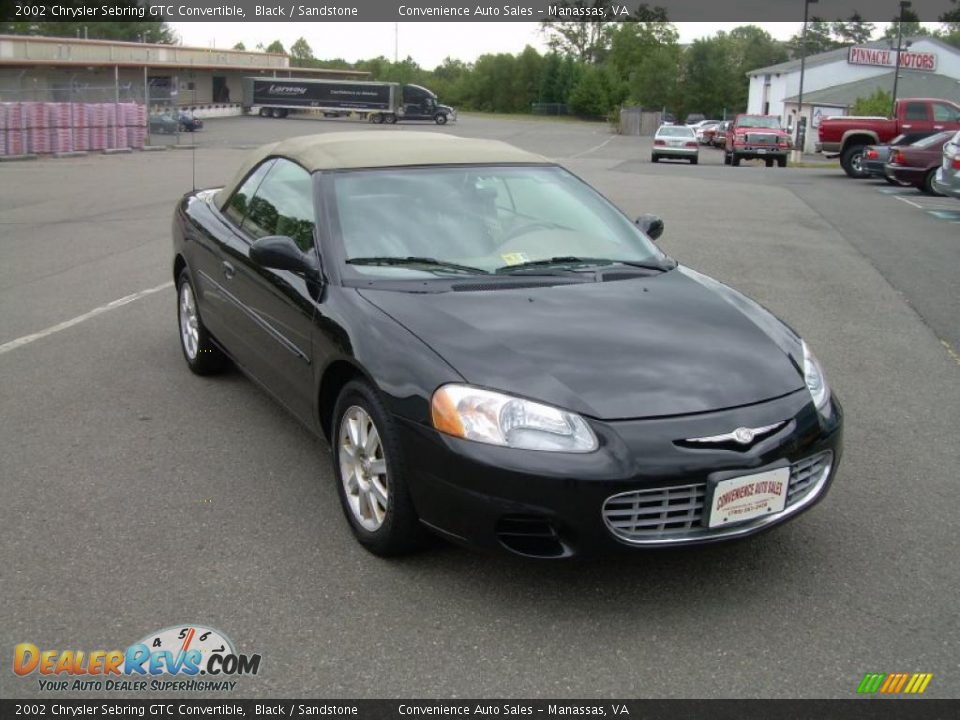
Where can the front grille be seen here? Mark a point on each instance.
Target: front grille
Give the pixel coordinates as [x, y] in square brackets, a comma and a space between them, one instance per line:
[761, 139]
[677, 512]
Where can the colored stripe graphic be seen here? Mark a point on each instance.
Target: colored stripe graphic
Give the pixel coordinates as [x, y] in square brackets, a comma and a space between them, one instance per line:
[894, 683]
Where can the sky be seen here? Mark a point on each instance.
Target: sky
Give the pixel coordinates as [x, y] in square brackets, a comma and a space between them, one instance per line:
[428, 43]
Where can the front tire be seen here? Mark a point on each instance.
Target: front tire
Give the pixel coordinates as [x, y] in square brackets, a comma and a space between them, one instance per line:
[735, 160]
[694, 161]
[202, 356]
[781, 162]
[371, 474]
[440, 119]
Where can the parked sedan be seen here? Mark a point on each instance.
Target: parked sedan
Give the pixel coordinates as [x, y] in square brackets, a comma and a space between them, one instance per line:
[947, 179]
[917, 164]
[706, 132]
[677, 142]
[719, 138]
[495, 352]
[876, 157]
[164, 123]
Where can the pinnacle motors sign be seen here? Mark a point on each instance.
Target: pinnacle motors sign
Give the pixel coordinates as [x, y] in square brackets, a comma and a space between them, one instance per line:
[888, 58]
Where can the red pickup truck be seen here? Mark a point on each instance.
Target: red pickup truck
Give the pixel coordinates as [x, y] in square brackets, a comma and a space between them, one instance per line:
[848, 136]
[757, 136]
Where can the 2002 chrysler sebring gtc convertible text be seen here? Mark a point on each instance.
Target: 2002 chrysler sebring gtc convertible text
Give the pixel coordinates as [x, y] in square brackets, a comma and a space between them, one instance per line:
[496, 352]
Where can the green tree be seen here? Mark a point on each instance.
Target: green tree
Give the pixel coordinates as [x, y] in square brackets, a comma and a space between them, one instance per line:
[911, 26]
[239, 46]
[588, 37]
[135, 31]
[877, 104]
[655, 82]
[276, 47]
[711, 81]
[818, 39]
[301, 50]
[591, 95]
[854, 30]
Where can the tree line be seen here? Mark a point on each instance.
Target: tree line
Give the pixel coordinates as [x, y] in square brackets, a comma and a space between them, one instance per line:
[590, 68]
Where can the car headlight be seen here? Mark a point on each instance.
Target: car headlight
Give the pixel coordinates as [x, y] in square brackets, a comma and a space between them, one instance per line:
[497, 419]
[814, 378]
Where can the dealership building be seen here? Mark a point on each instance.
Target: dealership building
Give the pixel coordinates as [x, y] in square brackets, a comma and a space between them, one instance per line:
[832, 81]
[208, 80]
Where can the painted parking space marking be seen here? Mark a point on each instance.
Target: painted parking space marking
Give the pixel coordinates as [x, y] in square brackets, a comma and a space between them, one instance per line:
[113, 305]
[942, 208]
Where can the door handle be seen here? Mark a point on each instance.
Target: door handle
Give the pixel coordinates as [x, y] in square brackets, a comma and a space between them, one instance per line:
[906, 127]
[228, 270]
[938, 127]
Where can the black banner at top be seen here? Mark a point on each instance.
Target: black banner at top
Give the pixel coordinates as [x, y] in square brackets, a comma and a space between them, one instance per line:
[464, 11]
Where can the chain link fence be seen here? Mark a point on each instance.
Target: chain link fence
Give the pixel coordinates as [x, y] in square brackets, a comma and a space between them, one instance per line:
[61, 112]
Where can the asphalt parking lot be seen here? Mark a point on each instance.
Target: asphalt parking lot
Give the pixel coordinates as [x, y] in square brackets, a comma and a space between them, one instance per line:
[136, 496]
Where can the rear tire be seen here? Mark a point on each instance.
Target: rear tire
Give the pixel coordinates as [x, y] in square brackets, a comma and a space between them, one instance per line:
[264, 112]
[371, 474]
[654, 158]
[202, 356]
[768, 162]
[694, 161]
[782, 162]
[377, 119]
[726, 158]
[928, 183]
[852, 162]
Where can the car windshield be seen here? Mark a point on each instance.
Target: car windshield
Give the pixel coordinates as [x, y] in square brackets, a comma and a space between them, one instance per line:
[680, 131]
[428, 222]
[759, 122]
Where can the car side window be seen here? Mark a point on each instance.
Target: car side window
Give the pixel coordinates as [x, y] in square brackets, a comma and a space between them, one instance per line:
[236, 207]
[916, 111]
[283, 205]
[944, 113]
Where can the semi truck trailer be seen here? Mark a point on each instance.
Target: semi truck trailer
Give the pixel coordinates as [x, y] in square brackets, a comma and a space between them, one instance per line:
[377, 102]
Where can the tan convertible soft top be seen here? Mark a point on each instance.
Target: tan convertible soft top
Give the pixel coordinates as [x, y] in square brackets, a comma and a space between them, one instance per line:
[382, 149]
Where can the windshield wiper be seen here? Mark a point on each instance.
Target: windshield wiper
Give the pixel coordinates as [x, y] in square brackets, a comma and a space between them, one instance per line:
[570, 261]
[431, 263]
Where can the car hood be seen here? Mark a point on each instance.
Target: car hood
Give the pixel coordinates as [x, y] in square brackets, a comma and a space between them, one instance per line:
[676, 343]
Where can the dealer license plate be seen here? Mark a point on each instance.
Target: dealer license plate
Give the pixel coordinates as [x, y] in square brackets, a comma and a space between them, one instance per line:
[761, 151]
[749, 496]
[676, 143]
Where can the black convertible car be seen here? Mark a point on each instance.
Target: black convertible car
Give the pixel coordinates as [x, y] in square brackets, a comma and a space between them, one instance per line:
[495, 352]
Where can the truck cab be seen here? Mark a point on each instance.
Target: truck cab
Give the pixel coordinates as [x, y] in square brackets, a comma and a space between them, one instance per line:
[421, 104]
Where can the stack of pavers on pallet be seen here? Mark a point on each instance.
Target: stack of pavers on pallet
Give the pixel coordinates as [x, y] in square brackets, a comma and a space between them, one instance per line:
[59, 127]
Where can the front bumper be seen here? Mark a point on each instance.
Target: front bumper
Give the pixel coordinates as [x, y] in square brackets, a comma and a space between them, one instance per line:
[559, 505]
[760, 153]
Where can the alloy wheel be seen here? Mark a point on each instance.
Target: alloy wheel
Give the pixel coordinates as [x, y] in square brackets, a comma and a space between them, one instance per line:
[189, 322]
[363, 468]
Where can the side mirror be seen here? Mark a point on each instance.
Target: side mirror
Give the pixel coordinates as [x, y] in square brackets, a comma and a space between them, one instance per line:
[280, 252]
[652, 225]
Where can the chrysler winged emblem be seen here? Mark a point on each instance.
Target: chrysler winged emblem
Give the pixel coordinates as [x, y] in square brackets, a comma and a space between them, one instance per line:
[742, 435]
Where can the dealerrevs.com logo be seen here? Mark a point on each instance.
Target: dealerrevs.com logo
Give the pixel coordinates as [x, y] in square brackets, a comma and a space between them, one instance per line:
[179, 658]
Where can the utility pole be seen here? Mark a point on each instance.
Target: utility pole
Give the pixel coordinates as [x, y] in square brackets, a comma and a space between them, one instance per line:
[904, 4]
[801, 130]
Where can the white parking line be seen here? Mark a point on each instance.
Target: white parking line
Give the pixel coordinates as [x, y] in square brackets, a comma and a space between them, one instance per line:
[593, 149]
[119, 302]
[910, 202]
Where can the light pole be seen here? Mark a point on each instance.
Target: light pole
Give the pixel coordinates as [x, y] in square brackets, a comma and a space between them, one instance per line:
[904, 4]
[801, 132]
